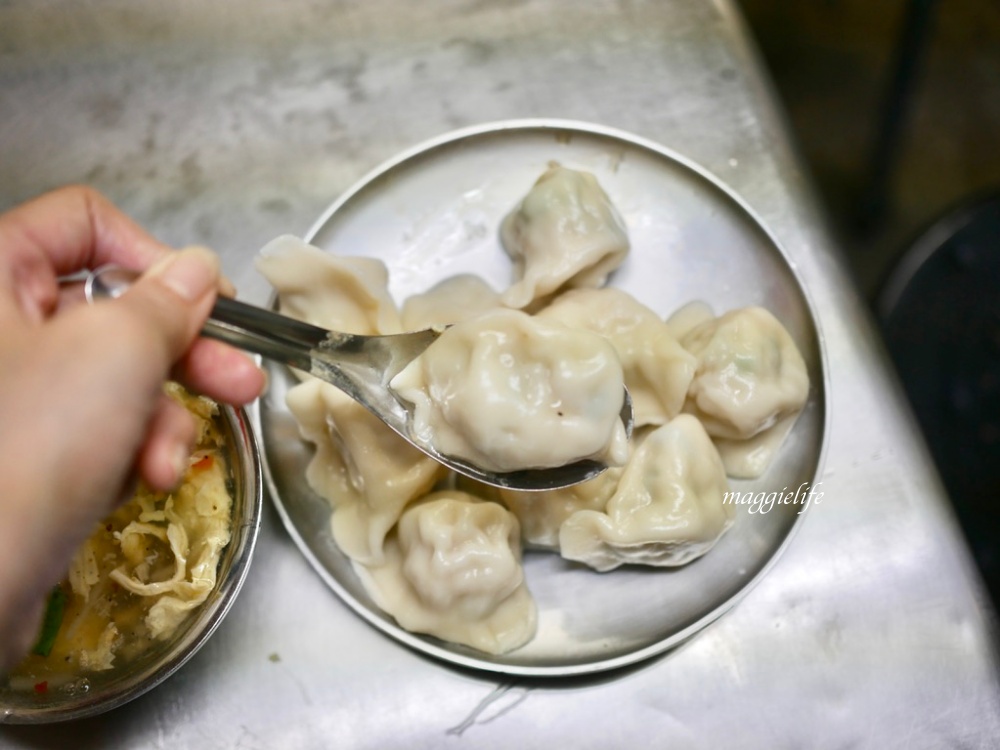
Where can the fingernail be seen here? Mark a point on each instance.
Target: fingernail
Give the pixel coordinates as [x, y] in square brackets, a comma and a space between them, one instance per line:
[191, 272]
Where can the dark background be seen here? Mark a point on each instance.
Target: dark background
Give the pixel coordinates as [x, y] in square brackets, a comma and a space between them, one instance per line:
[895, 105]
[831, 61]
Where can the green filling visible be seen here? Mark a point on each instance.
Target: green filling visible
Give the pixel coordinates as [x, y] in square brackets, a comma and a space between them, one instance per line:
[51, 623]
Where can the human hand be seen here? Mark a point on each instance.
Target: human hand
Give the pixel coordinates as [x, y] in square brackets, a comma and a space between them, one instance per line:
[81, 403]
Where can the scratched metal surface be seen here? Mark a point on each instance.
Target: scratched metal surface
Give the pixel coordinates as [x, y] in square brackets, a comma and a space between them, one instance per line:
[227, 125]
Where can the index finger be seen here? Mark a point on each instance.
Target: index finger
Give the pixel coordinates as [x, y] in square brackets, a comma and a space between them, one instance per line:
[61, 232]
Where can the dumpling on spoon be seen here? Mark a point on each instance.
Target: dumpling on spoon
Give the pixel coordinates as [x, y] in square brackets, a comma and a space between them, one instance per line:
[506, 391]
[564, 233]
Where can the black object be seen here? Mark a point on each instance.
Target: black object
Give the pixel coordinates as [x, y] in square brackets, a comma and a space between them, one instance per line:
[908, 55]
[940, 313]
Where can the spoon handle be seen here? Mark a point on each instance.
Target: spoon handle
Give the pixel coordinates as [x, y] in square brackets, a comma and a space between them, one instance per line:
[247, 327]
[361, 366]
[263, 332]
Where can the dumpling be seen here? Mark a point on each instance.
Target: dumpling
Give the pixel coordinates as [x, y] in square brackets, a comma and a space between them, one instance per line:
[750, 373]
[564, 233]
[366, 471]
[505, 391]
[541, 514]
[669, 507]
[658, 370]
[689, 316]
[453, 570]
[340, 293]
[749, 458]
[750, 379]
[454, 299]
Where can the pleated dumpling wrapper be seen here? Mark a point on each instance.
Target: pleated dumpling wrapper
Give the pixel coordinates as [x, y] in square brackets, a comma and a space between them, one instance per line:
[340, 293]
[506, 391]
[658, 370]
[364, 470]
[564, 233]
[449, 301]
[453, 570]
[668, 510]
[542, 513]
[750, 385]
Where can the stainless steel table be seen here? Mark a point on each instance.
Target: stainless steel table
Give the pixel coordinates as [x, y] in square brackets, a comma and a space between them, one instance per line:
[229, 123]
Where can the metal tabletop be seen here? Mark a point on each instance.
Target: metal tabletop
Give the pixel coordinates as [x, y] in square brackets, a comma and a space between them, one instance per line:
[227, 124]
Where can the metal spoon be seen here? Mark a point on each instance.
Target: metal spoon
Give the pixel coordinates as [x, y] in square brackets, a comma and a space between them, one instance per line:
[361, 366]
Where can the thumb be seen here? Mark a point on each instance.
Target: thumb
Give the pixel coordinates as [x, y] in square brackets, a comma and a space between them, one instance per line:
[174, 297]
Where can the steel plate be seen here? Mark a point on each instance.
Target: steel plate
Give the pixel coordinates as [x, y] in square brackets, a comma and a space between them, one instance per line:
[434, 212]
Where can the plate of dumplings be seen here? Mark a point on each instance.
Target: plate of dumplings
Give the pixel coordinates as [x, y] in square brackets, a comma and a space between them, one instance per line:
[536, 239]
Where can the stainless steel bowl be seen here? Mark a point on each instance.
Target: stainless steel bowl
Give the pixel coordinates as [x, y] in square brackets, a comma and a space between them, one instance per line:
[102, 691]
